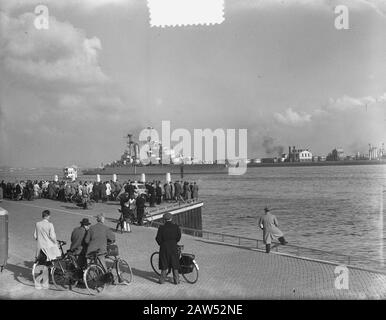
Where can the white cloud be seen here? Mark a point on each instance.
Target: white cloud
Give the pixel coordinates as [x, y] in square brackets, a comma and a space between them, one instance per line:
[379, 6]
[61, 53]
[349, 103]
[292, 118]
[84, 5]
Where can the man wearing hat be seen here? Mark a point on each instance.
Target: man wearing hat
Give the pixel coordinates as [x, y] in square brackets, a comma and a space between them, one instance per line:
[167, 238]
[78, 244]
[268, 223]
[97, 237]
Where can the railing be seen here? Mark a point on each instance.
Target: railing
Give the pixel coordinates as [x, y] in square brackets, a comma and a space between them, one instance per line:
[299, 251]
[180, 204]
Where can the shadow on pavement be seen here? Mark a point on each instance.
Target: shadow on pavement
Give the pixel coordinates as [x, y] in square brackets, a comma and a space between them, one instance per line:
[22, 274]
[148, 275]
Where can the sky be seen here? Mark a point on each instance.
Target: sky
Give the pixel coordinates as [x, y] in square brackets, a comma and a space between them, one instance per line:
[280, 69]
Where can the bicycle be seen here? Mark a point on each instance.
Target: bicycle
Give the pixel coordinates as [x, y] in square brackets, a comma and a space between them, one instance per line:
[65, 272]
[38, 265]
[97, 276]
[188, 265]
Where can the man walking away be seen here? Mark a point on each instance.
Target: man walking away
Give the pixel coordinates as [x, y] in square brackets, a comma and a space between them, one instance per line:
[46, 249]
[268, 223]
[78, 244]
[167, 238]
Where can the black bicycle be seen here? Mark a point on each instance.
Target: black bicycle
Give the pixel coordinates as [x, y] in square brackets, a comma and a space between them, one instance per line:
[96, 276]
[65, 272]
[188, 265]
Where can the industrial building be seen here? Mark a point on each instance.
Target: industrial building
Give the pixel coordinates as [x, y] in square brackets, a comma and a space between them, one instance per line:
[299, 155]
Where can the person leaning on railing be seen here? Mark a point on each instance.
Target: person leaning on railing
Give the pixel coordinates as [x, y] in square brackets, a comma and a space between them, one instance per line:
[268, 223]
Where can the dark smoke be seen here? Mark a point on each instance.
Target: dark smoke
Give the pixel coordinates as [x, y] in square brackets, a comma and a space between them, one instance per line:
[270, 148]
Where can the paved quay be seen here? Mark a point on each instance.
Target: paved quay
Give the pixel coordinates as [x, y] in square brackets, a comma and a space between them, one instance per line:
[226, 272]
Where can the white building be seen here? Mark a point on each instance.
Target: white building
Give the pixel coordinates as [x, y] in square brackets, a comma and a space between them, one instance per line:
[299, 155]
[305, 155]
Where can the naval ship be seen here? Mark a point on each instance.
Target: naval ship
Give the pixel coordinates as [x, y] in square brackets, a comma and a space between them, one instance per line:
[130, 164]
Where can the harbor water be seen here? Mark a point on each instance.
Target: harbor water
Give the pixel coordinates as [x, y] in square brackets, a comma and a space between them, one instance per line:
[333, 208]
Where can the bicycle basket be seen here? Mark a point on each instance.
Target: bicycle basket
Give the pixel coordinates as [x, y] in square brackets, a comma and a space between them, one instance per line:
[112, 250]
[186, 262]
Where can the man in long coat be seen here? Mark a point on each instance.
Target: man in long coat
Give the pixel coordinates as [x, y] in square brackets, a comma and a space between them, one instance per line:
[167, 238]
[46, 248]
[268, 223]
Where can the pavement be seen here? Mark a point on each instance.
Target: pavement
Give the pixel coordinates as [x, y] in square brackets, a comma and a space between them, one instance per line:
[226, 271]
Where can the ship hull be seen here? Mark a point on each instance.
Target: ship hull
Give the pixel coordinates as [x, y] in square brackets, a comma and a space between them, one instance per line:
[159, 170]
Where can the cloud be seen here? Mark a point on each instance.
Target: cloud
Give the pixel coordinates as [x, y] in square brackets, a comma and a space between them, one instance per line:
[292, 118]
[347, 103]
[81, 5]
[61, 53]
[57, 73]
[379, 6]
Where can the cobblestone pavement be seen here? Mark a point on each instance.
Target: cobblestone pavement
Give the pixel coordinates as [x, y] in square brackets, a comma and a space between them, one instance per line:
[226, 272]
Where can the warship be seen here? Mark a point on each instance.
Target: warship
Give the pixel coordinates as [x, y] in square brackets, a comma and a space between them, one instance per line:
[130, 164]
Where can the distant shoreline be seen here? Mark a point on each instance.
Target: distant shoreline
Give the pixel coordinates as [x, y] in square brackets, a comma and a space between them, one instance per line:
[318, 163]
[249, 165]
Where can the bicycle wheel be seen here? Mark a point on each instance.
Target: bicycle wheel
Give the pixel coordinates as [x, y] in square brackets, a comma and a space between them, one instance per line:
[94, 279]
[125, 275]
[191, 277]
[62, 278]
[37, 270]
[154, 262]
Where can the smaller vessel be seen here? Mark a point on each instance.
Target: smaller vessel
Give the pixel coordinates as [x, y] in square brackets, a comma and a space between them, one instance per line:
[70, 172]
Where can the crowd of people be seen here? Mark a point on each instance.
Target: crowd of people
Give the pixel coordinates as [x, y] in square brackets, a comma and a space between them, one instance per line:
[68, 191]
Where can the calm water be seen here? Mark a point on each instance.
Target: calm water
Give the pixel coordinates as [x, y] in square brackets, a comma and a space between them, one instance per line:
[334, 208]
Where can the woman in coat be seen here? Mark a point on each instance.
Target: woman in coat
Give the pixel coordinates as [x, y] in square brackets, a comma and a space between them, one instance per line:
[167, 238]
